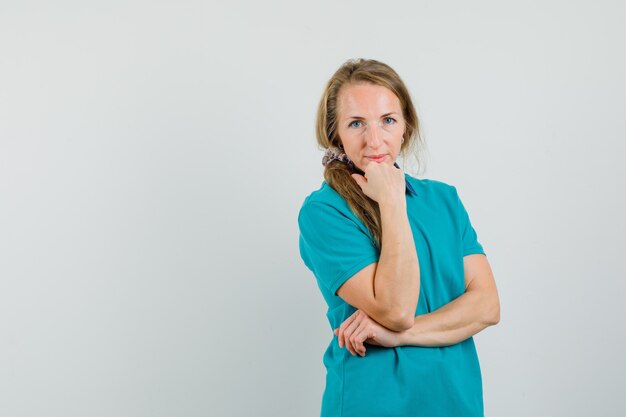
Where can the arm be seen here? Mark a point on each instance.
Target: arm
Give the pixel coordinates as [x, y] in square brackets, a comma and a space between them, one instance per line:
[456, 321]
[388, 290]
[473, 311]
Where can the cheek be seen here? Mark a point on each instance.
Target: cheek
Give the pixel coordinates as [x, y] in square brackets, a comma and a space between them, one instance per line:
[351, 152]
[351, 140]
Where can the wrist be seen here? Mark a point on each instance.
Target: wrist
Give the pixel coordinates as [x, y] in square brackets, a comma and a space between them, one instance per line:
[393, 205]
[403, 337]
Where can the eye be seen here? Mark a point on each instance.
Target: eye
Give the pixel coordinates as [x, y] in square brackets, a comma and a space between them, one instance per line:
[355, 121]
[390, 118]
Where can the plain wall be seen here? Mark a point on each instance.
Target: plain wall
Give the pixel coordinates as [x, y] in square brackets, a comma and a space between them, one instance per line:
[154, 156]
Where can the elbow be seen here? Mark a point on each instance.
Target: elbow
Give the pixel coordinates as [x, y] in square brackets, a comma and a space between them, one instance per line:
[492, 315]
[401, 322]
[396, 318]
[493, 320]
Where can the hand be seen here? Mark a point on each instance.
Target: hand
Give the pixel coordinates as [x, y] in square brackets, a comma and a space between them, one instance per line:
[382, 182]
[360, 328]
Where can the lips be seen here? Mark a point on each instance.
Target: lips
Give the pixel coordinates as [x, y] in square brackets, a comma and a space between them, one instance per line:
[377, 158]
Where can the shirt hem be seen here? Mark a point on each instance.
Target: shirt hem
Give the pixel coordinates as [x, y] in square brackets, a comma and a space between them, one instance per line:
[351, 271]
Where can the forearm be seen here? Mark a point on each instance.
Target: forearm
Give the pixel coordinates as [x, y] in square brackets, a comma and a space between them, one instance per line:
[454, 322]
[397, 279]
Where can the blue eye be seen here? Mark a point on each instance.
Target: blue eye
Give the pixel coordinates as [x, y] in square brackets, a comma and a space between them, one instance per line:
[356, 121]
[390, 118]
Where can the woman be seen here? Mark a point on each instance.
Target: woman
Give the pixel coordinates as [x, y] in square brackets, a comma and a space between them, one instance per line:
[396, 258]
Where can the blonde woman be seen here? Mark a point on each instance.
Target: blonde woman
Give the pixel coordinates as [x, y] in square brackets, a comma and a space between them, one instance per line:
[396, 259]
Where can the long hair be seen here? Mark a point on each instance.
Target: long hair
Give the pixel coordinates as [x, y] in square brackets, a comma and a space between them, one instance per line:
[337, 173]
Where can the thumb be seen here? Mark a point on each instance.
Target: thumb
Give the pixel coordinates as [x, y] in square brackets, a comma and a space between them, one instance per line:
[360, 180]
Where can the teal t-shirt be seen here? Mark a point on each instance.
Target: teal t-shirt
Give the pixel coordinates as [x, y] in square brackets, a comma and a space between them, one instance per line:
[405, 380]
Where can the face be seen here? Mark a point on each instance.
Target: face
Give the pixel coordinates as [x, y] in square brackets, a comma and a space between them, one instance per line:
[370, 124]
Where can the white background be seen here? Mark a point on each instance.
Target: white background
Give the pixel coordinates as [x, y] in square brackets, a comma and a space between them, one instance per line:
[154, 156]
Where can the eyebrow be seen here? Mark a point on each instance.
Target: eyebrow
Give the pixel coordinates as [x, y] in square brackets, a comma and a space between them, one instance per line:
[362, 118]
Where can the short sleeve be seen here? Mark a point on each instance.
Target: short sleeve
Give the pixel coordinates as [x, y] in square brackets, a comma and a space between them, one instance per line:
[469, 237]
[333, 245]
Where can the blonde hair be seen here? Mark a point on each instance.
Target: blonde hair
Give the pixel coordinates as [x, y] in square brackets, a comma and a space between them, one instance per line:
[337, 173]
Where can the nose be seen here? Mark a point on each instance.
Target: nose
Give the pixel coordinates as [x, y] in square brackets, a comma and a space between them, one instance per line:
[372, 137]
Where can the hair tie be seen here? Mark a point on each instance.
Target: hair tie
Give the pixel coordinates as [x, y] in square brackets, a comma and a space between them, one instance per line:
[333, 153]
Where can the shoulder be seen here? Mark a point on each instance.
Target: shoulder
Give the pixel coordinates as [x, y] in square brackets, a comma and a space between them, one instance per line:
[324, 195]
[325, 205]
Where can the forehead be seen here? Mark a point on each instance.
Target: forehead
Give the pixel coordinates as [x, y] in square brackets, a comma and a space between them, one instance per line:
[367, 99]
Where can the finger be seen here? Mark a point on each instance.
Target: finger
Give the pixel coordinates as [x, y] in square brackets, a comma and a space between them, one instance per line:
[355, 338]
[359, 335]
[346, 338]
[360, 180]
[342, 328]
[347, 333]
[363, 348]
[347, 323]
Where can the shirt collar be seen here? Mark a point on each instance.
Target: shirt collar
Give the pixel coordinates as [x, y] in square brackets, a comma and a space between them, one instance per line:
[409, 187]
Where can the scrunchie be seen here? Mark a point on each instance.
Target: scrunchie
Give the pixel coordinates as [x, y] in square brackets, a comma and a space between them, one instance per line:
[333, 153]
